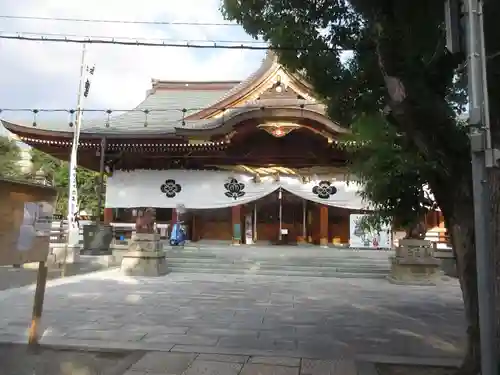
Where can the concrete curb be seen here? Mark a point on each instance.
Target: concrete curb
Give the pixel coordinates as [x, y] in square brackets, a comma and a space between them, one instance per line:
[123, 346]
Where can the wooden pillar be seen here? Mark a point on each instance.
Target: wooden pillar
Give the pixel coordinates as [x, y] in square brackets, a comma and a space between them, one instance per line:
[236, 224]
[440, 223]
[323, 225]
[193, 228]
[309, 226]
[108, 216]
[174, 216]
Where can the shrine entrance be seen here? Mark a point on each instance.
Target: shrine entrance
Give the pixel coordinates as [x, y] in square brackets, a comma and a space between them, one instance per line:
[278, 218]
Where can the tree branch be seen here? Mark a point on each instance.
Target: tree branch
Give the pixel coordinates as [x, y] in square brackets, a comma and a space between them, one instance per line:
[493, 55]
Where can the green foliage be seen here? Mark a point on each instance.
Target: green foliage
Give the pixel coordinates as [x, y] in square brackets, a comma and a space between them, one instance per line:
[391, 172]
[10, 156]
[57, 171]
[349, 51]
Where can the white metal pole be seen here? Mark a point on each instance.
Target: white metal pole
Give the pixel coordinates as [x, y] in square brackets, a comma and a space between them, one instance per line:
[73, 236]
[304, 219]
[255, 222]
[280, 196]
[480, 145]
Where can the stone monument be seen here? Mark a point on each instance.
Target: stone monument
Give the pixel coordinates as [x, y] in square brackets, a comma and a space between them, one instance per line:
[145, 255]
[414, 262]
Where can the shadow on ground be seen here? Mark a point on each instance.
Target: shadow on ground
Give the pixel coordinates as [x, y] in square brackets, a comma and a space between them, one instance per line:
[18, 360]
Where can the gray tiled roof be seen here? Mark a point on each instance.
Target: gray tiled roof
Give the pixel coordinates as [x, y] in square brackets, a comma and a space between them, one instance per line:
[166, 114]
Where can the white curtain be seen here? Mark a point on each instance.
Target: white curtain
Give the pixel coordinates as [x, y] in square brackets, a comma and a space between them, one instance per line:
[327, 192]
[214, 189]
[193, 189]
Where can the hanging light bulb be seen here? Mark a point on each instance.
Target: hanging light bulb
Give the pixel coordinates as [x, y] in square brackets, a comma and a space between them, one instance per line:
[146, 113]
[184, 110]
[35, 114]
[109, 111]
[71, 117]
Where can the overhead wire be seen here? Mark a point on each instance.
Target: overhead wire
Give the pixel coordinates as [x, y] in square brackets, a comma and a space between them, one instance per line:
[91, 20]
[128, 41]
[134, 40]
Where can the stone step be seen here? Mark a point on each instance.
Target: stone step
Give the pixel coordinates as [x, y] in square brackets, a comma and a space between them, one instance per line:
[242, 254]
[282, 262]
[366, 275]
[244, 265]
[256, 266]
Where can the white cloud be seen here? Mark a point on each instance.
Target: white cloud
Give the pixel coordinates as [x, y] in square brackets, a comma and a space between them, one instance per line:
[45, 75]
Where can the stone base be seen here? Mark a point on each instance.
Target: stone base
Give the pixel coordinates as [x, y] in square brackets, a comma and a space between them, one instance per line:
[424, 271]
[301, 240]
[144, 263]
[323, 242]
[57, 254]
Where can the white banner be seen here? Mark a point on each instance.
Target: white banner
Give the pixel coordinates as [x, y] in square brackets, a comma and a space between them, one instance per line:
[214, 189]
[366, 239]
[330, 193]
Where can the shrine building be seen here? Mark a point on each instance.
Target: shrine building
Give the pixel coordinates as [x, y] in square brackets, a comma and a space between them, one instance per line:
[249, 161]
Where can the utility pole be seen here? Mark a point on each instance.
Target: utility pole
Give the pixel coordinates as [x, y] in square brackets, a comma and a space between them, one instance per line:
[484, 157]
[73, 235]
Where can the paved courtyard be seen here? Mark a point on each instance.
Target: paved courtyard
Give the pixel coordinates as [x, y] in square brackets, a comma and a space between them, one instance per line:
[247, 315]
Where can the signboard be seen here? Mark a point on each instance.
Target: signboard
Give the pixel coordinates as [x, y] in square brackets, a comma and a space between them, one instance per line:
[368, 239]
[25, 229]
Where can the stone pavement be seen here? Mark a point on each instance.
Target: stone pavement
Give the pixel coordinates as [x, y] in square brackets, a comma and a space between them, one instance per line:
[208, 364]
[17, 360]
[244, 315]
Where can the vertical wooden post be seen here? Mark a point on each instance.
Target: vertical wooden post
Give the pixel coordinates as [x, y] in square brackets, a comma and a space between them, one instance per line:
[194, 236]
[255, 223]
[440, 223]
[323, 226]
[309, 225]
[41, 282]
[174, 216]
[108, 216]
[236, 224]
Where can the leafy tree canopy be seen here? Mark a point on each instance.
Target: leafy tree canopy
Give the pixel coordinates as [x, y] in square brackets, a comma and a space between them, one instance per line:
[10, 157]
[57, 171]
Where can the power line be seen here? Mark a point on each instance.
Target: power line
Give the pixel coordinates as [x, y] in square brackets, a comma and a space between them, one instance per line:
[209, 44]
[131, 39]
[85, 20]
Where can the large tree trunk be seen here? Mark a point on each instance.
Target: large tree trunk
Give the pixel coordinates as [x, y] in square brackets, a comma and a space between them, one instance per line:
[460, 221]
[494, 186]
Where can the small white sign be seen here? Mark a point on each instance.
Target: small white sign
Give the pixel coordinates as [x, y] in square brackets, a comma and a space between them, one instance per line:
[284, 231]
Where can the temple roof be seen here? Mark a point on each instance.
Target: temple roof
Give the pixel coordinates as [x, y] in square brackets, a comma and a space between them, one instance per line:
[178, 107]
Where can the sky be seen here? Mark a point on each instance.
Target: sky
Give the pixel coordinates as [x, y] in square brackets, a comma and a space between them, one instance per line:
[46, 75]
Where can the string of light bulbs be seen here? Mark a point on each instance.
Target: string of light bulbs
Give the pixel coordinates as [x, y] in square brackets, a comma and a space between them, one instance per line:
[185, 112]
[131, 22]
[142, 42]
